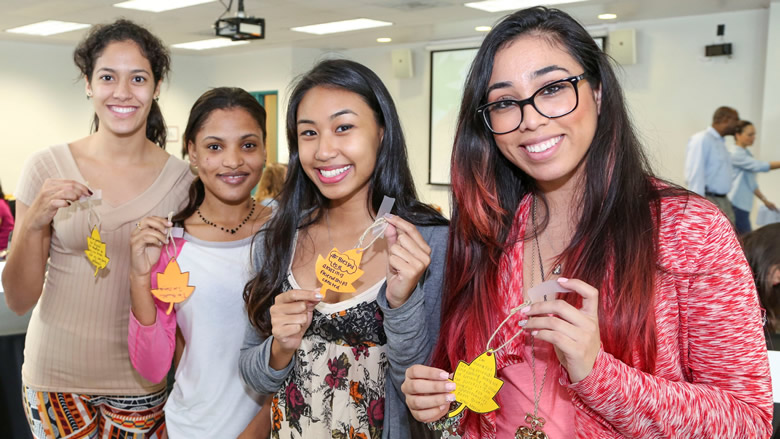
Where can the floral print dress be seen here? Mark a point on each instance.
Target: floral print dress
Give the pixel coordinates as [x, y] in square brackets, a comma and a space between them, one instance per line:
[336, 388]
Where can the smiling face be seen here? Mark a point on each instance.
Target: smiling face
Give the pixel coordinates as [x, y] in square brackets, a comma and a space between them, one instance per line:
[338, 141]
[548, 150]
[229, 153]
[122, 89]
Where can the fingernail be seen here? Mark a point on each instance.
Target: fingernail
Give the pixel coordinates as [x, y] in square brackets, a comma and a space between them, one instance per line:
[388, 215]
[170, 224]
[534, 333]
[90, 192]
[525, 310]
[450, 397]
[563, 279]
[450, 386]
[522, 323]
[318, 296]
[442, 407]
[444, 375]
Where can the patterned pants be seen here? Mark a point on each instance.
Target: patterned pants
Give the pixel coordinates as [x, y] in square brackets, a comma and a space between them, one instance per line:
[54, 415]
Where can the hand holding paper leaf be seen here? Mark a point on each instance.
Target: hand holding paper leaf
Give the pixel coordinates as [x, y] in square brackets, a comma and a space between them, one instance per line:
[477, 385]
[96, 251]
[173, 285]
[339, 271]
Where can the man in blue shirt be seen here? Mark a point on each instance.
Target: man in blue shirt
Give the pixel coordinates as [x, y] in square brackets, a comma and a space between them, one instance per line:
[708, 163]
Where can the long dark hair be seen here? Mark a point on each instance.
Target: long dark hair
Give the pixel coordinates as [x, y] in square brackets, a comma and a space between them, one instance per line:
[391, 177]
[153, 49]
[620, 206]
[762, 249]
[220, 98]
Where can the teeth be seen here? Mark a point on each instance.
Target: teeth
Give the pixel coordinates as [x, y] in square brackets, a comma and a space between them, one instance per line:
[334, 172]
[123, 109]
[543, 146]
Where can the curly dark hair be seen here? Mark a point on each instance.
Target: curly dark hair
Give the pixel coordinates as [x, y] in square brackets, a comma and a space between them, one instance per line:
[153, 49]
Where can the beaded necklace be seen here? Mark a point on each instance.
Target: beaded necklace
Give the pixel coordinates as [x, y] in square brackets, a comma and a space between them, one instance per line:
[225, 229]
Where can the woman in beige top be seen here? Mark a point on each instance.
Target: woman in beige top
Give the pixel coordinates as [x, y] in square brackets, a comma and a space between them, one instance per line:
[77, 205]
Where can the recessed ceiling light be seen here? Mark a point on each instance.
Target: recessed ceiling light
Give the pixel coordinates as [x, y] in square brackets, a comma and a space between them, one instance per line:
[384, 40]
[48, 27]
[209, 44]
[483, 28]
[607, 16]
[508, 5]
[341, 26]
[159, 5]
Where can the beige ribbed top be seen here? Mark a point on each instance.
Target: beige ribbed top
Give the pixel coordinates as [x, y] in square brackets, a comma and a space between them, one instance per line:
[77, 338]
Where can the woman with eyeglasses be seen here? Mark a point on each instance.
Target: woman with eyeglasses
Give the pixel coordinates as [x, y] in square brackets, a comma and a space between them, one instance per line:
[659, 334]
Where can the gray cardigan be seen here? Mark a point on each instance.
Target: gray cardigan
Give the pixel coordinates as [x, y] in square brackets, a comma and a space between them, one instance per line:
[411, 329]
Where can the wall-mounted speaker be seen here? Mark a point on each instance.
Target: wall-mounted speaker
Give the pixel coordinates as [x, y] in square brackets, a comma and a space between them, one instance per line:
[621, 45]
[402, 63]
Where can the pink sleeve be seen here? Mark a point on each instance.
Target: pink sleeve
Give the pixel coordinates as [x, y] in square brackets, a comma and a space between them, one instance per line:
[728, 391]
[151, 347]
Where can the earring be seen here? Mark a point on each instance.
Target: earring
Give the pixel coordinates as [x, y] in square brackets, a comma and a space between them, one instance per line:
[89, 96]
[157, 98]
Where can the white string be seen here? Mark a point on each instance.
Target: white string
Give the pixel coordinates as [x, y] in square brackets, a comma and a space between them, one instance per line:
[169, 238]
[512, 312]
[380, 222]
[91, 212]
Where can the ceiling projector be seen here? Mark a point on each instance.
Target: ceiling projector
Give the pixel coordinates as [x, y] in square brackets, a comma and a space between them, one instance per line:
[240, 27]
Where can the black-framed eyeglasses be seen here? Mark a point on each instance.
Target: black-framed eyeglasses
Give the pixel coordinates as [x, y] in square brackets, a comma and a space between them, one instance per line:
[556, 99]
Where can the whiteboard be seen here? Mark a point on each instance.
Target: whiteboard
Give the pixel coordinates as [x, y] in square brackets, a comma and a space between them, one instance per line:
[449, 69]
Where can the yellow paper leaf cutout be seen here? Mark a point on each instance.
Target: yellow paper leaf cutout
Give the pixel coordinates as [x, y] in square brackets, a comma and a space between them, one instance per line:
[96, 250]
[476, 385]
[339, 271]
[173, 285]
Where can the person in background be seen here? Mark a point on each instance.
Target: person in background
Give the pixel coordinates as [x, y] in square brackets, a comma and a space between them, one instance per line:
[744, 185]
[659, 334]
[6, 221]
[225, 136]
[707, 162]
[762, 249]
[271, 184]
[77, 375]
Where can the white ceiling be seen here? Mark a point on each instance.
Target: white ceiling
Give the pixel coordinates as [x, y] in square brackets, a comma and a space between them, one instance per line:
[414, 20]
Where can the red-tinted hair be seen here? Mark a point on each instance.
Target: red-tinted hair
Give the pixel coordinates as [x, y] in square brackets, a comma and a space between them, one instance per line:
[614, 247]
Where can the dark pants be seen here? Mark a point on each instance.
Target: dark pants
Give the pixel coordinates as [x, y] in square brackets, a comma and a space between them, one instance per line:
[742, 220]
[13, 423]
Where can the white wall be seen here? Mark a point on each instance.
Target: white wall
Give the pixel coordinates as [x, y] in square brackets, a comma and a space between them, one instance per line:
[768, 140]
[44, 101]
[672, 90]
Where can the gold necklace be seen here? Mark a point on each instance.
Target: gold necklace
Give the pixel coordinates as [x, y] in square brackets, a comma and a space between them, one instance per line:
[534, 421]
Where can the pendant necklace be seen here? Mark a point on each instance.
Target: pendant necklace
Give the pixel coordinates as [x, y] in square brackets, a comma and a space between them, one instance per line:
[557, 268]
[535, 422]
[226, 229]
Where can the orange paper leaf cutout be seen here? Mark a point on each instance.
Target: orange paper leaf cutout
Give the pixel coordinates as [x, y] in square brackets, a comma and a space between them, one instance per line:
[96, 250]
[476, 384]
[173, 285]
[339, 270]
